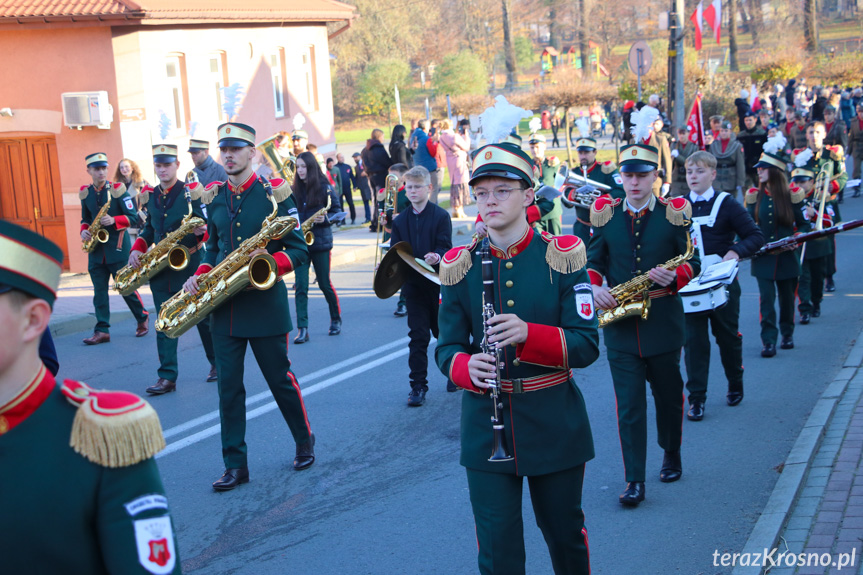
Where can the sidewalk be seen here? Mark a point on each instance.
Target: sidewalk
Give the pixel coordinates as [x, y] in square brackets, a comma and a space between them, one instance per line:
[817, 504]
[73, 311]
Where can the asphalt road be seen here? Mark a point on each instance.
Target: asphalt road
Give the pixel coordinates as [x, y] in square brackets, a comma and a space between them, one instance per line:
[387, 495]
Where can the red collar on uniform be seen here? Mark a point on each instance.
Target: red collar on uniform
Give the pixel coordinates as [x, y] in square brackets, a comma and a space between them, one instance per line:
[590, 169]
[801, 128]
[244, 186]
[515, 248]
[829, 125]
[27, 401]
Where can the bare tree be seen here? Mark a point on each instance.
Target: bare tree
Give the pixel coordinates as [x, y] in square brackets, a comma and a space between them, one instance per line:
[583, 40]
[757, 23]
[810, 33]
[508, 46]
[732, 36]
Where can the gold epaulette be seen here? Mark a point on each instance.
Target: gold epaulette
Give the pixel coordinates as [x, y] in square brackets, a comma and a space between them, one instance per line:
[602, 210]
[797, 195]
[210, 192]
[117, 190]
[678, 211]
[564, 254]
[84, 192]
[553, 161]
[144, 194]
[607, 167]
[196, 190]
[836, 152]
[281, 190]
[456, 263]
[751, 196]
[112, 428]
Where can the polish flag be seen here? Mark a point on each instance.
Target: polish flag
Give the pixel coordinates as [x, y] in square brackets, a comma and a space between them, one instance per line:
[695, 123]
[713, 15]
[698, 24]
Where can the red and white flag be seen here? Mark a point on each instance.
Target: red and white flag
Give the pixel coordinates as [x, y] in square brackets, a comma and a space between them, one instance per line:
[698, 24]
[695, 123]
[713, 15]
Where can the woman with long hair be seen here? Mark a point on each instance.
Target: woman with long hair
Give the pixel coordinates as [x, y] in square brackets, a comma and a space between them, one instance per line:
[456, 148]
[129, 174]
[399, 151]
[311, 191]
[778, 213]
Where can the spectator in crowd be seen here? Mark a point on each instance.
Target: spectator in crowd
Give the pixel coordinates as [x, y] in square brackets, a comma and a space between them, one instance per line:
[855, 146]
[456, 148]
[730, 163]
[437, 152]
[360, 180]
[846, 108]
[752, 137]
[681, 149]
[423, 156]
[835, 130]
[817, 114]
[399, 151]
[555, 128]
[377, 163]
[346, 174]
[797, 132]
[129, 174]
[742, 105]
[716, 123]
[779, 105]
[334, 175]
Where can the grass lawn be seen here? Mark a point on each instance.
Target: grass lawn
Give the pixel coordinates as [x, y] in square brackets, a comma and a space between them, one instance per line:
[354, 136]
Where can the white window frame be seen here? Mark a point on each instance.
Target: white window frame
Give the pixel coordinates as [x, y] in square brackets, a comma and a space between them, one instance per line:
[277, 74]
[219, 80]
[178, 97]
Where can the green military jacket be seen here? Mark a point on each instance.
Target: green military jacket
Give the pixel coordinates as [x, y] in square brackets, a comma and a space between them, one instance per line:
[604, 173]
[64, 513]
[823, 246]
[623, 246]
[550, 210]
[784, 265]
[166, 214]
[234, 216]
[123, 209]
[541, 280]
[834, 155]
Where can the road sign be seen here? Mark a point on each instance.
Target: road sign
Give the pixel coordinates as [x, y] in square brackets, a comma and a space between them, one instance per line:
[640, 56]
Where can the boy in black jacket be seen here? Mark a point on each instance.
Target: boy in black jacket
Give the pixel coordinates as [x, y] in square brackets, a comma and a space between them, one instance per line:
[428, 229]
[714, 231]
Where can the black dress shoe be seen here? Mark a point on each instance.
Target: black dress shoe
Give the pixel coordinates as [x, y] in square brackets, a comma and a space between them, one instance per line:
[302, 335]
[231, 478]
[696, 411]
[816, 310]
[336, 327]
[734, 395]
[213, 375]
[417, 397]
[401, 310]
[633, 495]
[305, 455]
[804, 318]
[162, 386]
[769, 350]
[787, 343]
[829, 286]
[672, 469]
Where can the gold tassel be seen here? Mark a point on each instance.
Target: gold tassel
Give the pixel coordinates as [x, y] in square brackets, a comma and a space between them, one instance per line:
[452, 272]
[751, 196]
[568, 261]
[608, 167]
[118, 440]
[83, 192]
[282, 191]
[117, 190]
[143, 198]
[599, 218]
[678, 217]
[210, 192]
[195, 190]
[797, 196]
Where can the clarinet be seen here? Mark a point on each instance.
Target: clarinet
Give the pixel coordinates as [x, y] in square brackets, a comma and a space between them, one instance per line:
[499, 451]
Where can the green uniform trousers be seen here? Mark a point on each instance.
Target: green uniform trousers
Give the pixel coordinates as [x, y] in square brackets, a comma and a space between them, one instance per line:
[167, 347]
[724, 325]
[810, 291]
[831, 260]
[629, 373]
[768, 290]
[556, 499]
[581, 231]
[99, 274]
[271, 353]
[321, 261]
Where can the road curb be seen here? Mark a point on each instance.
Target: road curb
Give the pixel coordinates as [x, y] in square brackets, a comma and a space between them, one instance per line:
[86, 321]
[766, 532]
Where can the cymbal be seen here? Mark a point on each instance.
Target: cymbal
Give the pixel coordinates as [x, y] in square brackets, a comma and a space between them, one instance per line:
[395, 266]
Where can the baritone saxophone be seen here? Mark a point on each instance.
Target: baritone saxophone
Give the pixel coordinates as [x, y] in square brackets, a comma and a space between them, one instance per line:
[232, 275]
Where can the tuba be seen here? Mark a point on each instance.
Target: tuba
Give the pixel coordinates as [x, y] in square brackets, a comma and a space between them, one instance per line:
[167, 253]
[627, 293]
[306, 226]
[269, 148]
[231, 276]
[98, 233]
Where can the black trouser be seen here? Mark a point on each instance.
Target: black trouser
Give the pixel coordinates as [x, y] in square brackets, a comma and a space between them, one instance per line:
[831, 261]
[810, 290]
[724, 325]
[349, 200]
[422, 301]
[768, 291]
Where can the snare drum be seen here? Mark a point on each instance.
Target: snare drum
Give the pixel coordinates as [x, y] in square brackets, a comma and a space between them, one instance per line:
[700, 297]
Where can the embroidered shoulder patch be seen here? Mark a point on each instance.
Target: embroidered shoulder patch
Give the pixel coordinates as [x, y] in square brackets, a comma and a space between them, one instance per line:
[584, 301]
[154, 539]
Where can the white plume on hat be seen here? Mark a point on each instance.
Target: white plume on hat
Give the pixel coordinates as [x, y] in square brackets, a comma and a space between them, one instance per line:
[535, 125]
[299, 121]
[803, 158]
[499, 120]
[642, 123]
[583, 125]
[775, 144]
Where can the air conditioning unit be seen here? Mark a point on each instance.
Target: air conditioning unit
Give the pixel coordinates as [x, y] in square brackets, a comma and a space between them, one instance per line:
[82, 109]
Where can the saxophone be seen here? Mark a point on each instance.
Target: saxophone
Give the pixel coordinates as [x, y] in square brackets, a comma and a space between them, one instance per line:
[232, 275]
[98, 233]
[306, 226]
[626, 293]
[167, 253]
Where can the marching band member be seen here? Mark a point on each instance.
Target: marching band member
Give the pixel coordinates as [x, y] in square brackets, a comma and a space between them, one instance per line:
[311, 191]
[551, 210]
[604, 173]
[106, 259]
[206, 168]
[777, 212]
[724, 229]
[82, 492]
[545, 422]
[633, 237]
[256, 318]
[168, 207]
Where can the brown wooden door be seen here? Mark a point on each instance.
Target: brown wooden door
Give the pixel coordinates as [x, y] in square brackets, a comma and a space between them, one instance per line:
[30, 193]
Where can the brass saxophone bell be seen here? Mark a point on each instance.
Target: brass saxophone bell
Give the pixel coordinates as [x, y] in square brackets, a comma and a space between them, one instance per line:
[309, 237]
[102, 236]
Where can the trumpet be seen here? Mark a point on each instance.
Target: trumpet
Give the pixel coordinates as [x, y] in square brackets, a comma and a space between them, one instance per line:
[98, 233]
[306, 226]
[822, 186]
[389, 201]
[283, 166]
